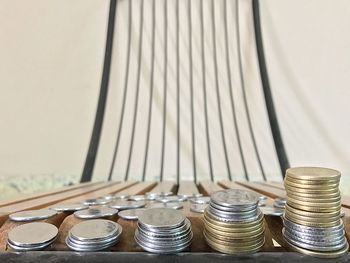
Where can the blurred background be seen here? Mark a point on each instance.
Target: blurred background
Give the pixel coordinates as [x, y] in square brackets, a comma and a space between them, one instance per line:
[51, 63]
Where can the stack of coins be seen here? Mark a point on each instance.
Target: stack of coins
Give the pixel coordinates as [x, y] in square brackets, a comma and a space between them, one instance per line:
[32, 236]
[163, 231]
[233, 223]
[93, 235]
[312, 218]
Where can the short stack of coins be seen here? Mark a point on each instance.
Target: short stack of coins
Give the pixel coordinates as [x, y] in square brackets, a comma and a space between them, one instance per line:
[233, 223]
[93, 235]
[163, 231]
[312, 218]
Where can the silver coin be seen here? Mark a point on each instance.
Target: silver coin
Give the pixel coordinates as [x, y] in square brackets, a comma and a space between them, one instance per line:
[32, 234]
[168, 233]
[161, 218]
[95, 229]
[97, 212]
[137, 198]
[235, 197]
[68, 207]
[172, 198]
[158, 194]
[281, 200]
[200, 200]
[271, 211]
[96, 201]
[262, 198]
[29, 248]
[262, 203]
[173, 205]
[125, 204]
[191, 196]
[235, 209]
[198, 208]
[131, 214]
[121, 196]
[31, 215]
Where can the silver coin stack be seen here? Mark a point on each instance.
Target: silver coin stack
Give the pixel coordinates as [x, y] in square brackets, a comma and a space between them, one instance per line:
[32, 236]
[93, 235]
[163, 231]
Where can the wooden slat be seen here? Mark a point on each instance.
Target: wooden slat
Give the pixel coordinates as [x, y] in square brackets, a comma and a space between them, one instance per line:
[111, 189]
[165, 186]
[48, 200]
[263, 189]
[187, 187]
[47, 193]
[208, 187]
[274, 185]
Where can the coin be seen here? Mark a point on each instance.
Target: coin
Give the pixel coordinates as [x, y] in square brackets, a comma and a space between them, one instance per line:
[235, 197]
[271, 211]
[163, 231]
[68, 207]
[200, 200]
[172, 198]
[313, 173]
[96, 212]
[131, 214]
[137, 197]
[93, 235]
[198, 208]
[31, 215]
[32, 236]
[96, 201]
[125, 204]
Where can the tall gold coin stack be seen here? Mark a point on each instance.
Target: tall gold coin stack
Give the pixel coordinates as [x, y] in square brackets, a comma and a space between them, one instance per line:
[233, 223]
[312, 221]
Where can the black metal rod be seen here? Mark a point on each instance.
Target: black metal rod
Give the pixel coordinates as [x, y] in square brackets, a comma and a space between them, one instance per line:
[151, 89]
[246, 107]
[222, 128]
[101, 105]
[178, 133]
[277, 137]
[125, 91]
[230, 87]
[194, 160]
[165, 87]
[205, 90]
[136, 102]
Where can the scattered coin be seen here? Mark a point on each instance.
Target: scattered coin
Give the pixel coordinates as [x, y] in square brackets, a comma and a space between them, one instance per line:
[96, 212]
[68, 207]
[198, 208]
[126, 204]
[200, 200]
[272, 211]
[32, 236]
[96, 201]
[31, 215]
[131, 214]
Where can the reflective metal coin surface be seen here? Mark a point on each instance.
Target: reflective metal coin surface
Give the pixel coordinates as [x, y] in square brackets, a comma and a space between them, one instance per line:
[235, 197]
[32, 236]
[271, 211]
[68, 207]
[93, 235]
[96, 201]
[137, 197]
[198, 208]
[131, 214]
[161, 218]
[31, 215]
[96, 212]
[200, 200]
[125, 204]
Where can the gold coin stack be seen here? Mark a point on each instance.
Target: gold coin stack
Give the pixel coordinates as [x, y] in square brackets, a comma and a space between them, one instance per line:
[312, 218]
[233, 223]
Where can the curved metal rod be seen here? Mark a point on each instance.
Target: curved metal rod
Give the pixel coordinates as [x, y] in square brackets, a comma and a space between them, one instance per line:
[277, 137]
[101, 105]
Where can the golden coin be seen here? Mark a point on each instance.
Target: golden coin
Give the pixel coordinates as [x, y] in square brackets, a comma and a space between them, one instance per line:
[290, 189]
[333, 254]
[314, 199]
[311, 186]
[234, 250]
[311, 182]
[234, 242]
[311, 195]
[243, 237]
[238, 229]
[312, 214]
[312, 219]
[243, 233]
[291, 200]
[313, 224]
[313, 173]
[314, 208]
